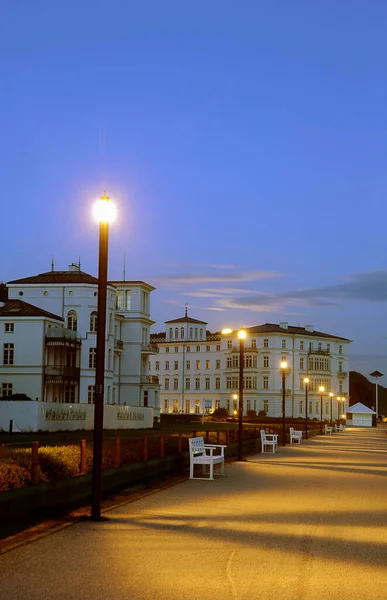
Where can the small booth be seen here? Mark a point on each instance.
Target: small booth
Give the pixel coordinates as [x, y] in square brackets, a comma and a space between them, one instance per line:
[359, 415]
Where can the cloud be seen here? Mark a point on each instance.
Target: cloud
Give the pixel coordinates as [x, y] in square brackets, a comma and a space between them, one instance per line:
[198, 278]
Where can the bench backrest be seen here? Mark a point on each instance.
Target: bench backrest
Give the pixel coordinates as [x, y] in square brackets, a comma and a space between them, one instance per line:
[291, 430]
[196, 446]
[263, 435]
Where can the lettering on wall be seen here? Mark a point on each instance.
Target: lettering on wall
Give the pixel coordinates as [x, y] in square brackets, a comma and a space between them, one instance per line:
[65, 415]
[130, 415]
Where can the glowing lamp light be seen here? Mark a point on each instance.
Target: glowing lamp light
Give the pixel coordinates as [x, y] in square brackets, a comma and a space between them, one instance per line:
[321, 388]
[226, 331]
[235, 396]
[104, 210]
[284, 364]
[242, 334]
[331, 394]
[306, 379]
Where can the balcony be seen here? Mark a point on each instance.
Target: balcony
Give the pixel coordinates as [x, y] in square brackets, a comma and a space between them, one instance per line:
[236, 348]
[150, 380]
[149, 348]
[58, 336]
[58, 374]
[319, 352]
[118, 345]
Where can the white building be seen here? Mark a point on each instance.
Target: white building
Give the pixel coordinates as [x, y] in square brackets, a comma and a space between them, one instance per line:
[199, 370]
[48, 330]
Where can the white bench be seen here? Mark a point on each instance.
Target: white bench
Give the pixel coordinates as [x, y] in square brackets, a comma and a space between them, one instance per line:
[339, 428]
[269, 440]
[204, 455]
[328, 429]
[295, 435]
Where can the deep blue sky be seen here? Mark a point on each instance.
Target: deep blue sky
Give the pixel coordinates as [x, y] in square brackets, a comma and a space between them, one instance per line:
[244, 142]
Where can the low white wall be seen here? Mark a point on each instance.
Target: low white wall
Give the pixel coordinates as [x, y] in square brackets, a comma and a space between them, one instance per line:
[52, 416]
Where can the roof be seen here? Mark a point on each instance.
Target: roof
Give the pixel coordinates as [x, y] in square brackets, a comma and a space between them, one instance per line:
[360, 408]
[18, 308]
[275, 328]
[186, 319]
[123, 282]
[58, 277]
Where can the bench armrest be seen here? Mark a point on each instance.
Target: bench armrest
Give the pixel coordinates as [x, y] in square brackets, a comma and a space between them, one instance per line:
[271, 437]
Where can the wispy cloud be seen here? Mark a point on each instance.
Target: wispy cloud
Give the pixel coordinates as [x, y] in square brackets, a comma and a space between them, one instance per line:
[199, 278]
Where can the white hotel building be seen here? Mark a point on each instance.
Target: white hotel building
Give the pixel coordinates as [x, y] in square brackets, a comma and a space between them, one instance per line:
[199, 370]
[48, 326]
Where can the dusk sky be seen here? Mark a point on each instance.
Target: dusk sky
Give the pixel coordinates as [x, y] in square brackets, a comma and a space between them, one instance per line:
[244, 143]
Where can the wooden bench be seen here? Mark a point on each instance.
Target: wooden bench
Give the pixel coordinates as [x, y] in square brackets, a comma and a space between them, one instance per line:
[295, 435]
[204, 455]
[328, 429]
[269, 440]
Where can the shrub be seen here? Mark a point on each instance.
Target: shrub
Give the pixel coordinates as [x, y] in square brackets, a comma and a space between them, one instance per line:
[262, 413]
[13, 475]
[220, 412]
[59, 461]
[251, 414]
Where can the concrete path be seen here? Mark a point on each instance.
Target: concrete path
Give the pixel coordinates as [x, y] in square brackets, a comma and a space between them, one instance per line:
[307, 523]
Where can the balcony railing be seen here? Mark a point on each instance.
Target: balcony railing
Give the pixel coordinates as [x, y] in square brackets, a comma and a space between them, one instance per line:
[118, 345]
[149, 348]
[58, 336]
[150, 379]
[60, 373]
[236, 348]
[320, 352]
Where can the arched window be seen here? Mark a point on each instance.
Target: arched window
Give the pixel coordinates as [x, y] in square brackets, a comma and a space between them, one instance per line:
[196, 333]
[201, 333]
[72, 320]
[190, 333]
[182, 333]
[176, 333]
[93, 321]
[170, 333]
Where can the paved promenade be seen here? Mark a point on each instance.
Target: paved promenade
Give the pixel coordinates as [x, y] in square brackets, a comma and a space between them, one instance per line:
[307, 523]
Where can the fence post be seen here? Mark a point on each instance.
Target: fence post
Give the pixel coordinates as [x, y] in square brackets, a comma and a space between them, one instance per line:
[35, 462]
[180, 443]
[82, 463]
[161, 445]
[117, 452]
[217, 436]
[207, 436]
[145, 448]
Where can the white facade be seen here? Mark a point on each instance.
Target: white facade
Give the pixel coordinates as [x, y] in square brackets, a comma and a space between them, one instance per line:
[199, 370]
[51, 322]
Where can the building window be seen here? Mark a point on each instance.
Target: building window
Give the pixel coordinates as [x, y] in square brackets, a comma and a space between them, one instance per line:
[197, 407]
[93, 321]
[319, 346]
[109, 359]
[188, 348]
[167, 350]
[146, 397]
[190, 333]
[326, 408]
[310, 346]
[91, 394]
[265, 382]
[301, 407]
[283, 345]
[6, 389]
[166, 404]
[120, 300]
[340, 366]
[340, 387]
[157, 366]
[175, 383]
[208, 348]
[217, 404]
[310, 407]
[170, 334]
[265, 362]
[208, 383]
[301, 345]
[187, 406]
[265, 342]
[196, 333]
[166, 383]
[328, 347]
[182, 333]
[253, 343]
[9, 327]
[92, 358]
[167, 365]
[208, 364]
[175, 406]
[127, 297]
[198, 364]
[70, 394]
[188, 365]
[176, 333]
[197, 383]
[317, 406]
[201, 333]
[187, 383]
[8, 354]
[229, 344]
[197, 348]
[218, 347]
[217, 383]
[266, 406]
[176, 349]
[176, 365]
[302, 363]
[72, 320]
[217, 364]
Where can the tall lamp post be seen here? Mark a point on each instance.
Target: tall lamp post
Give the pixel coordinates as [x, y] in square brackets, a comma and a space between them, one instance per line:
[377, 375]
[321, 389]
[306, 382]
[339, 399]
[331, 394]
[104, 212]
[284, 366]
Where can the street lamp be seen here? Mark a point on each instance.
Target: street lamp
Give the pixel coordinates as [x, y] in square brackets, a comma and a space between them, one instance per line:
[339, 399]
[284, 366]
[321, 389]
[331, 394]
[104, 213]
[376, 375]
[242, 337]
[306, 382]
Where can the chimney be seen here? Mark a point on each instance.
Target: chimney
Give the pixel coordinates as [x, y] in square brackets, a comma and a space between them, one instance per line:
[283, 324]
[309, 328]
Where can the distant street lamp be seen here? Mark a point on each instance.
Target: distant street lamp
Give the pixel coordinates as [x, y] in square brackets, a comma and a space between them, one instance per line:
[321, 389]
[104, 212]
[376, 375]
[242, 337]
[306, 382]
[283, 366]
[331, 394]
